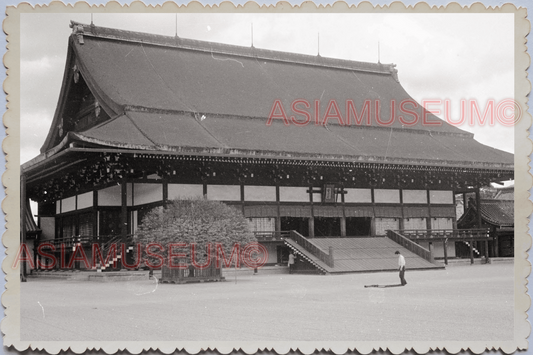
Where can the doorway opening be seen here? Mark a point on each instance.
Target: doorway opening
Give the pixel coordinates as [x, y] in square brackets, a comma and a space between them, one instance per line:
[299, 224]
[358, 226]
[327, 227]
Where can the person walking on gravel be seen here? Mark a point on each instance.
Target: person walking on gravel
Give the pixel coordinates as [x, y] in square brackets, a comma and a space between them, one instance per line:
[291, 262]
[401, 266]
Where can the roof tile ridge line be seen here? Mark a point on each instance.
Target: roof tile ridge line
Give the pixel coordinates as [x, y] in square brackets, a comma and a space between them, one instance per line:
[139, 108]
[140, 130]
[218, 51]
[163, 80]
[223, 145]
[131, 108]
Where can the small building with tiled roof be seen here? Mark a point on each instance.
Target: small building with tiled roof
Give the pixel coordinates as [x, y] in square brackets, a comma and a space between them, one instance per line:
[325, 147]
[498, 216]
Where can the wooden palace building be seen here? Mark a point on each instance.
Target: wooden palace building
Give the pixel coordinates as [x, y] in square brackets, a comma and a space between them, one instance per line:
[333, 150]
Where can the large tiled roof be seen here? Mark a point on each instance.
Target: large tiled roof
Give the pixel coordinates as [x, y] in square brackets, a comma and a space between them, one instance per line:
[174, 94]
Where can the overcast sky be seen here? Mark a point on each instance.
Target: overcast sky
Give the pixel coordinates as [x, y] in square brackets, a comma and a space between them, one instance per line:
[438, 56]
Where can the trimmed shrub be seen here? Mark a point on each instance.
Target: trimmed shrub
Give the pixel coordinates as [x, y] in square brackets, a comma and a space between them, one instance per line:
[194, 220]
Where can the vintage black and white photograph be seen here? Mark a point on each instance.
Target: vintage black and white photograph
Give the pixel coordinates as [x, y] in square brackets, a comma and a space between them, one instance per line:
[270, 178]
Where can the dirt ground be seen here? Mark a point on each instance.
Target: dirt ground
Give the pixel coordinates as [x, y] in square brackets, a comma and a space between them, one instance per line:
[472, 302]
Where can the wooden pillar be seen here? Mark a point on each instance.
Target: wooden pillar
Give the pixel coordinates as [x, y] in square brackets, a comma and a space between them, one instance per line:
[242, 198]
[22, 224]
[487, 250]
[478, 208]
[343, 226]
[401, 222]
[165, 189]
[124, 209]
[343, 218]
[278, 211]
[312, 218]
[123, 216]
[373, 220]
[372, 226]
[311, 227]
[445, 246]
[495, 244]
[428, 219]
[96, 232]
[454, 219]
[471, 251]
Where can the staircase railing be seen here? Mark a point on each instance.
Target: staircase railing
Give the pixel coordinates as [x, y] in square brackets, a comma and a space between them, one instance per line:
[106, 247]
[458, 234]
[410, 245]
[265, 236]
[313, 249]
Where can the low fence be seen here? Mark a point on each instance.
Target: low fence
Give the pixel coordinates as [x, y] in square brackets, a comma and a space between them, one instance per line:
[459, 234]
[85, 240]
[313, 249]
[191, 274]
[410, 245]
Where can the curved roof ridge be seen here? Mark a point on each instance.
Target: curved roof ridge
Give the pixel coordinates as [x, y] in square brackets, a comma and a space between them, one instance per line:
[80, 30]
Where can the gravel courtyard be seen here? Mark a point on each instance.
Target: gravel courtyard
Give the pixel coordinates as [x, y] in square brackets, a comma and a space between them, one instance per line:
[461, 303]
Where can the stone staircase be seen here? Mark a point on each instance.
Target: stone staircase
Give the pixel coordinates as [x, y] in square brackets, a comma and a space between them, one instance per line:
[358, 254]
